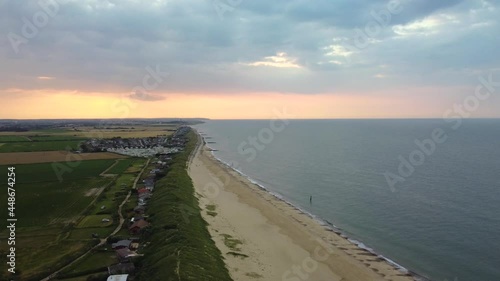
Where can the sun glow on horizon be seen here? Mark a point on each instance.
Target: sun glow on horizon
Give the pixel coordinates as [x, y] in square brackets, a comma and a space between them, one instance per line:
[75, 104]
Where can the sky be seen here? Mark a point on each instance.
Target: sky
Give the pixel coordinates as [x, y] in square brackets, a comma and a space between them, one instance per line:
[245, 59]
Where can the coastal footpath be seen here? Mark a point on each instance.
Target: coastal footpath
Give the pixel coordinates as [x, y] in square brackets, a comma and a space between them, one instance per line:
[264, 238]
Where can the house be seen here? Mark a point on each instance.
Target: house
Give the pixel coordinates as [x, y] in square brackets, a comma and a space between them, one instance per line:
[121, 277]
[142, 190]
[139, 209]
[134, 219]
[149, 181]
[144, 196]
[121, 268]
[149, 187]
[121, 244]
[124, 255]
[138, 226]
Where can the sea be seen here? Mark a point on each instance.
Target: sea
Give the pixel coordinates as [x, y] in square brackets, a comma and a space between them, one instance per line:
[422, 193]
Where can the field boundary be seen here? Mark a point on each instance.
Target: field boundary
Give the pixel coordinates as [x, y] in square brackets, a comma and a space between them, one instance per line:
[105, 174]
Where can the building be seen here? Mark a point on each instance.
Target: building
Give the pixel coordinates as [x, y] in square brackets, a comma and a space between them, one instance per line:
[122, 244]
[145, 196]
[142, 190]
[121, 277]
[138, 226]
[121, 268]
[139, 209]
[124, 255]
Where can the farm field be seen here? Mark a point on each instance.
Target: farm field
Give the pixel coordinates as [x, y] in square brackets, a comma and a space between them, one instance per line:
[92, 263]
[34, 137]
[46, 172]
[95, 221]
[121, 166]
[27, 146]
[35, 132]
[48, 207]
[59, 218]
[55, 138]
[12, 139]
[53, 156]
[62, 197]
[136, 131]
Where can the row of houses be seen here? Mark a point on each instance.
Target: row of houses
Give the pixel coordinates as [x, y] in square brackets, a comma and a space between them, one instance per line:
[176, 141]
[126, 249]
[143, 152]
[97, 145]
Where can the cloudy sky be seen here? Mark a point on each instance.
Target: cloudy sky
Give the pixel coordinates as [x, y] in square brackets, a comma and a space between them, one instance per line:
[249, 58]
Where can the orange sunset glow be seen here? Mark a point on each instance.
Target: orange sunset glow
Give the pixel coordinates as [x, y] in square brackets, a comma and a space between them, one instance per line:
[47, 104]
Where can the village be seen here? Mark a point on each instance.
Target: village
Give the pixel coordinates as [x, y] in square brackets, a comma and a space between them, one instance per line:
[137, 147]
[129, 249]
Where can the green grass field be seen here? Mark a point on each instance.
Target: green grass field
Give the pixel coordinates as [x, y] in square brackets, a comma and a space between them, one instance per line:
[95, 221]
[42, 197]
[27, 146]
[48, 172]
[122, 165]
[91, 263]
[52, 202]
[86, 233]
[13, 139]
[47, 209]
[55, 138]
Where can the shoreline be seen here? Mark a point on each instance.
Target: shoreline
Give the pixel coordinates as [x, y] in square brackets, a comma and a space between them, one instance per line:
[346, 259]
[325, 223]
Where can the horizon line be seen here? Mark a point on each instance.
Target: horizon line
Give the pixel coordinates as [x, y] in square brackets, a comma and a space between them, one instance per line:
[242, 119]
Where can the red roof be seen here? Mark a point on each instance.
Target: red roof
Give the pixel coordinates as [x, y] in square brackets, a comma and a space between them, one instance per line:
[139, 224]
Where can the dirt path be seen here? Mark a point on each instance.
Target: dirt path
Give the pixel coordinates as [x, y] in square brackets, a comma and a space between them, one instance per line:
[103, 241]
[105, 174]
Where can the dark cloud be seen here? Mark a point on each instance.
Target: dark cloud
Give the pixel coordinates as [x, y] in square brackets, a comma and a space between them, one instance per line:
[106, 45]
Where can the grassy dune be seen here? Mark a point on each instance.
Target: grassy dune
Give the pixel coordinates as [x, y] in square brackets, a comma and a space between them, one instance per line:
[181, 246]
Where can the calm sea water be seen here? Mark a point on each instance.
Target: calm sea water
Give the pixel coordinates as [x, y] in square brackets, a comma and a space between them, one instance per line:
[442, 221]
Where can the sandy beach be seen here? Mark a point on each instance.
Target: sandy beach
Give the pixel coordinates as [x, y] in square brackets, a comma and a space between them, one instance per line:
[270, 239]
